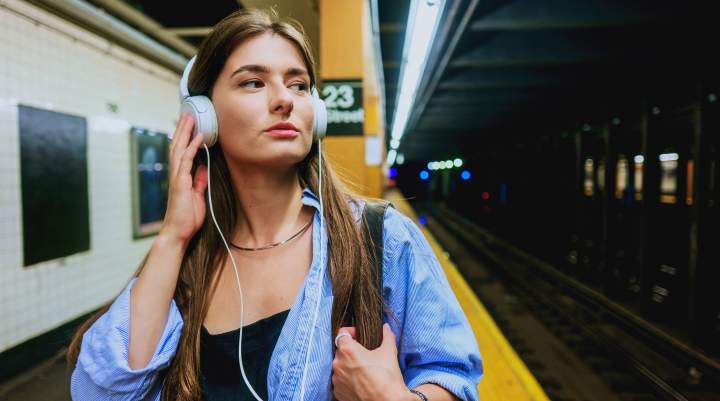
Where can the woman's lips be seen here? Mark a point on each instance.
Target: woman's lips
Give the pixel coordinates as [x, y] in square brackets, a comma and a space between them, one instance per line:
[283, 133]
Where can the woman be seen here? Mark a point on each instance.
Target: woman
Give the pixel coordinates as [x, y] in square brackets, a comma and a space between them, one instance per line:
[173, 333]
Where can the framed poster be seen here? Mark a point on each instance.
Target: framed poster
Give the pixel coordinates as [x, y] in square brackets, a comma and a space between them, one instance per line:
[54, 184]
[149, 171]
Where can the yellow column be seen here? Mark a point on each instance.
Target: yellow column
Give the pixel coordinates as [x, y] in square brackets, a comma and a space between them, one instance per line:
[346, 53]
[374, 127]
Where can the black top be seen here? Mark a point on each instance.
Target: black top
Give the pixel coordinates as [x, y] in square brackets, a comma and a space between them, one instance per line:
[220, 370]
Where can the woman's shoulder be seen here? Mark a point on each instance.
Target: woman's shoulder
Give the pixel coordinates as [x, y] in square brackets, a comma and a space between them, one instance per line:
[397, 227]
[408, 258]
[400, 231]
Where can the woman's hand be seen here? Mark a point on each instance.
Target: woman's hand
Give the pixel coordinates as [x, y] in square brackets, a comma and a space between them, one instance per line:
[186, 196]
[360, 374]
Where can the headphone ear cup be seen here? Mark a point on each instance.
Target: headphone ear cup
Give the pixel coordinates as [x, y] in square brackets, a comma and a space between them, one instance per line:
[203, 112]
[319, 115]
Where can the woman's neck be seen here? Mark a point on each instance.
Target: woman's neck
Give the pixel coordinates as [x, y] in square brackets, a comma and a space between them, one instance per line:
[269, 205]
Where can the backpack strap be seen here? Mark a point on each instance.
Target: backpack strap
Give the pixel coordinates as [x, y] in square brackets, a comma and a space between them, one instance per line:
[374, 217]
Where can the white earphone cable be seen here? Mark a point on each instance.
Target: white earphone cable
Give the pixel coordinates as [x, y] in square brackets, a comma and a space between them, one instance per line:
[237, 278]
[321, 275]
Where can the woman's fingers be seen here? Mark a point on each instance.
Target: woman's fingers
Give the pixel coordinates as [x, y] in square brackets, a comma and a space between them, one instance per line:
[186, 160]
[388, 342]
[350, 330]
[201, 179]
[173, 144]
[346, 342]
[178, 128]
[186, 208]
[342, 333]
[180, 141]
[184, 132]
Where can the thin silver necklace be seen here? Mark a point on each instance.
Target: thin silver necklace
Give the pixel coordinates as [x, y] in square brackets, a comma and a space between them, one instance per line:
[262, 248]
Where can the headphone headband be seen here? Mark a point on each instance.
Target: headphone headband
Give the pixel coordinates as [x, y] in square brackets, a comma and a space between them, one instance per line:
[184, 91]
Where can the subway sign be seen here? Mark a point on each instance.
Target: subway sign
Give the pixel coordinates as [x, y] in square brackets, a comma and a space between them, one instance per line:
[344, 103]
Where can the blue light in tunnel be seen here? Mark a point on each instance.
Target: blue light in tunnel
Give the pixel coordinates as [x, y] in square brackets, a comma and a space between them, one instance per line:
[422, 220]
[465, 175]
[392, 172]
[424, 175]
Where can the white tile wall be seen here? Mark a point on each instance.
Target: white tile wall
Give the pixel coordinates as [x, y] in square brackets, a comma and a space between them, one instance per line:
[56, 65]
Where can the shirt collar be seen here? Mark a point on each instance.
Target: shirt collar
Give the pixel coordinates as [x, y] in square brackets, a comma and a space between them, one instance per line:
[309, 198]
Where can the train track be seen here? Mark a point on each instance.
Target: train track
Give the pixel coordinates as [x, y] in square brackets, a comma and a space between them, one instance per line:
[637, 361]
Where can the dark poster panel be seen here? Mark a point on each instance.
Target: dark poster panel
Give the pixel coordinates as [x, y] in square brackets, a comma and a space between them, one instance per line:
[150, 180]
[344, 103]
[53, 168]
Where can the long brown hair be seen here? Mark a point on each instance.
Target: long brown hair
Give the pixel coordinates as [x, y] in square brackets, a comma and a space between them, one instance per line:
[357, 300]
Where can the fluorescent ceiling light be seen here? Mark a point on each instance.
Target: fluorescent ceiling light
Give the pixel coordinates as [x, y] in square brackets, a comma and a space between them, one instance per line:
[422, 25]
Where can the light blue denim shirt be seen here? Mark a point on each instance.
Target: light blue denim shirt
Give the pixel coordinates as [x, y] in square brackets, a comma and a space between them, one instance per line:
[434, 339]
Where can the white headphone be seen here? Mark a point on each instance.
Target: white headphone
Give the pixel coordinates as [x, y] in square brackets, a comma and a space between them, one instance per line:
[205, 118]
[203, 112]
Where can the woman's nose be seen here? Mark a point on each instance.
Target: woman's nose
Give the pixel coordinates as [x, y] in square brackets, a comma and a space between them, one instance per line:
[282, 101]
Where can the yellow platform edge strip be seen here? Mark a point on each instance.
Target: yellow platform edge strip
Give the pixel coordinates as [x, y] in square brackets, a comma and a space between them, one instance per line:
[473, 307]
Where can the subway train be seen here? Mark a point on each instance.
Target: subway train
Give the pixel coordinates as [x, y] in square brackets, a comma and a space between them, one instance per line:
[627, 205]
[610, 174]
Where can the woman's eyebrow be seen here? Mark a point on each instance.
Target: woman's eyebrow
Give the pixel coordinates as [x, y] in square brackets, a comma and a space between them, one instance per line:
[261, 69]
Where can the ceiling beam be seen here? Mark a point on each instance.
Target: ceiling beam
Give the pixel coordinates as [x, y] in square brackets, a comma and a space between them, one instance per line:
[147, 25]
[117, 31]
[535, 15]
[499, 95]
[487, 108]
[528, 25]
[529, 61]
[523, 77]
[540, 49]
[189, 31]
[498, 84]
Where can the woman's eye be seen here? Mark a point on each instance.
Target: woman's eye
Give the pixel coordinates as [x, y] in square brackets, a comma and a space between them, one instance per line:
[255, 81]
[301, 86]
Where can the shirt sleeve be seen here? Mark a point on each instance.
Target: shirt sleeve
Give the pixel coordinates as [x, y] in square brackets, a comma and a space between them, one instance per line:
[102, 370]
[435, 341]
